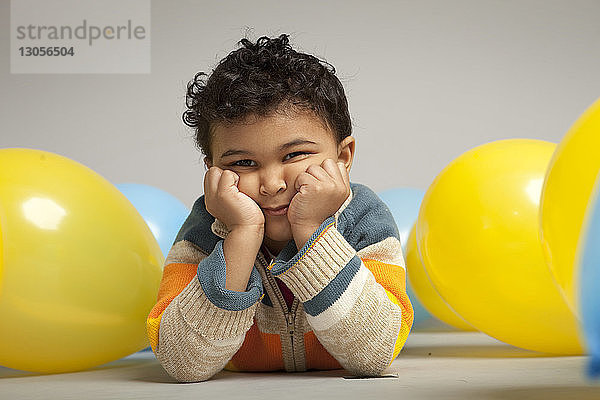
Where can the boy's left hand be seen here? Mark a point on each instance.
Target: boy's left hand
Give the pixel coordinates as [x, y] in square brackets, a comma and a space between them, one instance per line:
[321, 191]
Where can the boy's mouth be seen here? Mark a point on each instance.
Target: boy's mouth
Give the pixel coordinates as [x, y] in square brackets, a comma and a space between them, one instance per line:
[276, 211]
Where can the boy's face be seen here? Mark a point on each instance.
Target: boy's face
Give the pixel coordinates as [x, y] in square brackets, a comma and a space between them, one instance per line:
[268, 153]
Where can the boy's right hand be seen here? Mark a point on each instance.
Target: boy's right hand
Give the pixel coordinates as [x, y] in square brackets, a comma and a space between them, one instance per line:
[225, 202]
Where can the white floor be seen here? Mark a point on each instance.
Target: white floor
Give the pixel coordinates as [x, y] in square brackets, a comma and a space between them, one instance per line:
[434, 364]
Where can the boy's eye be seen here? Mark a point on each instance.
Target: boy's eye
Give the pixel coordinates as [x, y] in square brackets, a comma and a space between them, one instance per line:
[294, 154]
[242, 163]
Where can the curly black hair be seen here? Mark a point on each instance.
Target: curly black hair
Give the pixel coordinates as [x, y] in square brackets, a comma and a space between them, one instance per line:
[262, 78]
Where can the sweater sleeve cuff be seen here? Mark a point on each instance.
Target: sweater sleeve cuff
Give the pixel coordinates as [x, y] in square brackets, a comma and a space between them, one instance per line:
[211, 274]
[317, 263]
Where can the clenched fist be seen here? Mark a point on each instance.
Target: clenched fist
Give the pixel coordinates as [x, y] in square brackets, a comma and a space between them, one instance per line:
[225, 202]
[321, 191]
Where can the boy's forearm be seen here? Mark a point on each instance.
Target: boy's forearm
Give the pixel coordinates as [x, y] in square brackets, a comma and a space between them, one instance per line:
[302, 234]
[240, 249]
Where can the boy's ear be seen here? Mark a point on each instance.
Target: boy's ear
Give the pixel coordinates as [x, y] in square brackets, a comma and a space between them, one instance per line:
[207, 162]
[346, 151]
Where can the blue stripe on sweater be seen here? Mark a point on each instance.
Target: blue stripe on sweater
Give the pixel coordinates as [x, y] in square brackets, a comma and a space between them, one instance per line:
[332, 292]
[211, 274]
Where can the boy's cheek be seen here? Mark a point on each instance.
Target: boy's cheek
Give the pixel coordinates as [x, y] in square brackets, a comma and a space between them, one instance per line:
[249, 186]
[294, 170]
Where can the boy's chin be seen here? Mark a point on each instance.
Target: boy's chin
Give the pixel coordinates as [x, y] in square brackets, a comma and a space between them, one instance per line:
[279, 232]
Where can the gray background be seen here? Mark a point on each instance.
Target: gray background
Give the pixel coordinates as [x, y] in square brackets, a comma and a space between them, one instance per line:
[426, 81]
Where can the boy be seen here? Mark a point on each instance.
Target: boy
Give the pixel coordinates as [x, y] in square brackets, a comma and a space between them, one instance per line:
[283, 264]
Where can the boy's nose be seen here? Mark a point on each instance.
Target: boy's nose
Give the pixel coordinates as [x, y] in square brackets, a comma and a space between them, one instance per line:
[272, 186]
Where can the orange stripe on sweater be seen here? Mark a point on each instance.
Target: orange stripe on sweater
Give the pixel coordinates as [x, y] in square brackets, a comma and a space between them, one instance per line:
[317, 356]
[175, 278]
[259, 352]
[393, 279]
[262, 352]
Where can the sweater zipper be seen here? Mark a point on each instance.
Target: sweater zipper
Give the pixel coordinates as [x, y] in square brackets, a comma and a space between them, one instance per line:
[290, 317]
[289, 314]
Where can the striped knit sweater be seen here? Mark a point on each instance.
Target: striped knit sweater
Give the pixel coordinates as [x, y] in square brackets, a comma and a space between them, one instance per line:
[350, 309]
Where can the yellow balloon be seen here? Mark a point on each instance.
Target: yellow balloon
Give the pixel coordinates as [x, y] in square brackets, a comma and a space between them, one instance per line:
[425, 292]
[477, 233]
[1, 252]
[566, 192]
[80, 266]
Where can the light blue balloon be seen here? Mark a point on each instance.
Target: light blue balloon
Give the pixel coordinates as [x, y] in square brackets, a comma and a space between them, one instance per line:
[404, 203]
[163, 212]
[589, 283]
